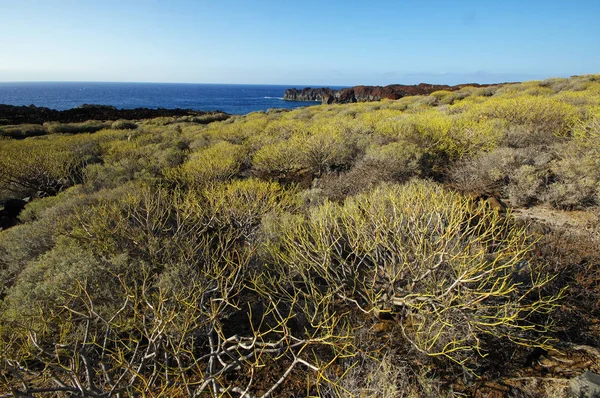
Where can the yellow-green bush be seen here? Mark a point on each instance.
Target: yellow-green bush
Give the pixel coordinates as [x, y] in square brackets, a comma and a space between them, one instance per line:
[545, 115]
[44, 166]
[218, 162]
[91, 126]
[46, 282]
[448, 274]
[22, 130]
[402, 159]
[241, 205]
[324, 148]
[276, 160]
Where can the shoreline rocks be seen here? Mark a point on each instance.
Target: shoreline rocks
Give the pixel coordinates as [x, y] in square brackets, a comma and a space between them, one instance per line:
[12, 115]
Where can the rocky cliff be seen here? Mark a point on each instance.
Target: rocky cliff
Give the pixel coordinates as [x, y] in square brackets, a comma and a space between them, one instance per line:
[367, 93]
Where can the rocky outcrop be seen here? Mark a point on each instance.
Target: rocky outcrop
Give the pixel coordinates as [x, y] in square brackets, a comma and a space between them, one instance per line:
[367, 93]
[308, 94]
[10, 114]
[9, 212]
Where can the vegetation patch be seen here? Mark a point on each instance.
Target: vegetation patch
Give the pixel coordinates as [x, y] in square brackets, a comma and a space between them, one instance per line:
[399, 248]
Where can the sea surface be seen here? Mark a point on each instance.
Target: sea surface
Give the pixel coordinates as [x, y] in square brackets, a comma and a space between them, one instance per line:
[230, 98]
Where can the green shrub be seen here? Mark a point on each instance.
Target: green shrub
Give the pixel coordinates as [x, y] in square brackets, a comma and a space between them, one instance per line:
[91, 126]
[542, 114]
[218, 162]
[324, 149]
[22, 131]
[123, 125]
[401, 160]
[241, 205]
[46, 282]
[19, 246]
[396, 161]
[42, 166]
[417, 252]
[276, 160]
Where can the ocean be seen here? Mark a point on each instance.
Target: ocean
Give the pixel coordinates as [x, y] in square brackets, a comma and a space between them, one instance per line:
[230, 98]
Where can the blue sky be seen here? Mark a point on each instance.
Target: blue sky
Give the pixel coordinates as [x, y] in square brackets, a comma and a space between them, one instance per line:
[297, 42]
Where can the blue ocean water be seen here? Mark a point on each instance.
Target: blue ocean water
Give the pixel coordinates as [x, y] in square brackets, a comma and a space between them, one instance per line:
[230, 98]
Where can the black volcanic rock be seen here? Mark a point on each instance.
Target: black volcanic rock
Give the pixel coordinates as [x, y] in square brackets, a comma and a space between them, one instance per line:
[309, 94]
[10, 114]
[368, 93]
[9, 212]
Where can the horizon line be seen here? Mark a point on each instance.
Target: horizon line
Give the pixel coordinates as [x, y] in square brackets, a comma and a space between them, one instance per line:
[261, 84]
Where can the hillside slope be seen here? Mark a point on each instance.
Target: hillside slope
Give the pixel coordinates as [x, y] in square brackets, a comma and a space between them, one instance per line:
[435, 245]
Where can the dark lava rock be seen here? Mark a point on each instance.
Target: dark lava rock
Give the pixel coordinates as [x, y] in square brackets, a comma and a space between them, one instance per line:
[9, 215]
[309, 94]
[368, 93]
[10, 114]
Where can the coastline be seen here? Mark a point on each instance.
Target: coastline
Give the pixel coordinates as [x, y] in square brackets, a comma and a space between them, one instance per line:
[12, 114]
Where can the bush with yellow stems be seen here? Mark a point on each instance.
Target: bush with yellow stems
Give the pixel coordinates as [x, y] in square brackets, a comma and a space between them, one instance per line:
[545, 115]
[166, 299]
[90, 126]
[218, 162]
[22, 130]
[450, 272]
[45, 165]
[276, 160]
[324, 148]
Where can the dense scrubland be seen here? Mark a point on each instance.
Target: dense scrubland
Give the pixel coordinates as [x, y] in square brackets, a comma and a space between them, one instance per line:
[441, 245]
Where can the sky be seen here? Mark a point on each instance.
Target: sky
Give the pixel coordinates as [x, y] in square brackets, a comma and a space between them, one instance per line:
[309, 42]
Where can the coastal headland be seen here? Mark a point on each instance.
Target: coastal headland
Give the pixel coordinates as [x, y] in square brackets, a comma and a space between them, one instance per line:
[327, 95]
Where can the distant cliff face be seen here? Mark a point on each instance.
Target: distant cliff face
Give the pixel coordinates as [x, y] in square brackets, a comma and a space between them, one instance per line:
[308, 94]
[367, 93]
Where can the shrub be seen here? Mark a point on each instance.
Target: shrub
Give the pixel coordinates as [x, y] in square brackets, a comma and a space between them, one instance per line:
[576, 182]
[544, 115]
[492, 172]
[276, 160]
[220, 161]
[123, 125]
[396, 161]
[523, 136]
[527, 185]
[241, 205]
[40, 166]
[576, 173]
[401, 160]
[47, 281]
[324, 149]
[418, 253]
[91, 126]
[45, 220]
[22, 131]
[20, 245]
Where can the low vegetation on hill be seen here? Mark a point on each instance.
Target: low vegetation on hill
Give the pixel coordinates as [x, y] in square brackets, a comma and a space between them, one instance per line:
[439, 245]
